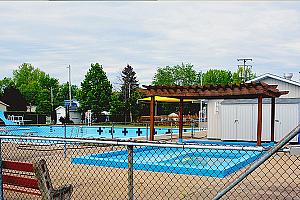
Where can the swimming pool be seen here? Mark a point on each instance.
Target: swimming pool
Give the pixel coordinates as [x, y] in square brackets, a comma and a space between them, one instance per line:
[201, 162]
[86, 131]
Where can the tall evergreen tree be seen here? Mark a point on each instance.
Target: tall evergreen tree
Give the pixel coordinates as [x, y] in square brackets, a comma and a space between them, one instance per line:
[129, 88]
[96, 90]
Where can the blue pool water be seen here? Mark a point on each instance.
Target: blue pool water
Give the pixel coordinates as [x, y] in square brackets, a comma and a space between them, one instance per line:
[202, 162]
[85, 131]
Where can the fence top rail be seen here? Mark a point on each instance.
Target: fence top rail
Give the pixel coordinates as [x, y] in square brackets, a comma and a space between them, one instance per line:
[137, 143]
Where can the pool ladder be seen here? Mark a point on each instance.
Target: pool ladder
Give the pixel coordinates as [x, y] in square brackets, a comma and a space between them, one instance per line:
[77, 131]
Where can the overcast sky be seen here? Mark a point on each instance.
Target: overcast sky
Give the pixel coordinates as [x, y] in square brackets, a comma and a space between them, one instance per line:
[147, 35]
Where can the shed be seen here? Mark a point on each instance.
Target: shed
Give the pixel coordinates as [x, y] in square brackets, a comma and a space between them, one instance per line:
[60, 112]
[75, 116]
[237, 119]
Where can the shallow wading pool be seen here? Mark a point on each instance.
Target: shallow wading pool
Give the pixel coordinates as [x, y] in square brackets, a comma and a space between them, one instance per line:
[202, 162]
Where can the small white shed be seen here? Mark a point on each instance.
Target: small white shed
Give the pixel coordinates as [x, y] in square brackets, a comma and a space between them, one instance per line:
[60, 112]
[74, 115]
[237, 119]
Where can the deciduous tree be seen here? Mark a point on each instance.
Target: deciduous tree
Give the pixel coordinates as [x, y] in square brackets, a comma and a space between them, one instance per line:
[217, 76]
[183, 75]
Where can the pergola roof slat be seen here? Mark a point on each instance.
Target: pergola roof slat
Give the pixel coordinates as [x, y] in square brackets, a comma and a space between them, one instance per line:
[229, 91]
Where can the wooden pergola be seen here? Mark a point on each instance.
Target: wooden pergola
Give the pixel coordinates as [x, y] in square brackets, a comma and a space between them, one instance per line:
[252, 90]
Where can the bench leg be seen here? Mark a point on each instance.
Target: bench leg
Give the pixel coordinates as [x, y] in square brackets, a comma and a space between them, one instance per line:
[63, 193]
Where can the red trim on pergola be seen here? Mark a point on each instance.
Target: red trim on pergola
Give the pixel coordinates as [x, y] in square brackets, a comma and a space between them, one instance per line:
[230, 91]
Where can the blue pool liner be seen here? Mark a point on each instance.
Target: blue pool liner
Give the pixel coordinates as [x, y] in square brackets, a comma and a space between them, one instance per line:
[213, 163]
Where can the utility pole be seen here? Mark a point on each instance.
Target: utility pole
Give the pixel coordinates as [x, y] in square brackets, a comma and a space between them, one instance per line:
[244, 75]
[51, 94]
[70, 93]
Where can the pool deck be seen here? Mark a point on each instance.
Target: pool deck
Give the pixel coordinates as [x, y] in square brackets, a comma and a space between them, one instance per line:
[93, 182]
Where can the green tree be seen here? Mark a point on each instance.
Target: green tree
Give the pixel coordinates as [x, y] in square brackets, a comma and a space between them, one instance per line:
[63, 93]
[243, 74]
[35, 85]
[26, 78]
[216, 76]
[183, 75]
[13, 97]
[128, 88]
[164, 76]
[96, 90]
[117, 106]
[43, 102]
[5, 83]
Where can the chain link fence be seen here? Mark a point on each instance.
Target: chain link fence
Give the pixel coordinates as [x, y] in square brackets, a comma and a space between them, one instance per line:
[126, 169]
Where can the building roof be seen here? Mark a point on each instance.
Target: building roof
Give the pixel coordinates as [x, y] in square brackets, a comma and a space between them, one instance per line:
[265, 101]
[60, 107]
[4, 104]
[268, 75]
[229, 91]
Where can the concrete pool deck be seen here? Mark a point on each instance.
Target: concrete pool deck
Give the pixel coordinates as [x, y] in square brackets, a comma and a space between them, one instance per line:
[93, 182]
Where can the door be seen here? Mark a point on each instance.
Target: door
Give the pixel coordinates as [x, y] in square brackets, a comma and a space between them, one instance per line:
[229, 122]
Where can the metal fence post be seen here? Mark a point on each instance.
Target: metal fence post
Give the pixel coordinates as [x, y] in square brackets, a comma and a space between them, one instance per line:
[65, 143]
[130, 172]
[112, 130]
[146, 131]
[171, 131]
[193, 129]
[1, 178]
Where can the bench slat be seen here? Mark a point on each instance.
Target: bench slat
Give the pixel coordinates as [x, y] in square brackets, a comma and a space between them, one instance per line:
[20, 181]
[22, 190]
[19, 166]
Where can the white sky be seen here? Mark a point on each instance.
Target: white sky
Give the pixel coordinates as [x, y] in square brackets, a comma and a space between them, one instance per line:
[147, 35]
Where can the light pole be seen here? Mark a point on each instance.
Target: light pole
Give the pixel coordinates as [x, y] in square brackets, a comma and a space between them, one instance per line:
[201, 108]
[129, 92]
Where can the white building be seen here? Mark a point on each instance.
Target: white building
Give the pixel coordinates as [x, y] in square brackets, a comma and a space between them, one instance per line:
[74, 115]
[3, 106]
[237, 119]
[284, 84]
[60, 112]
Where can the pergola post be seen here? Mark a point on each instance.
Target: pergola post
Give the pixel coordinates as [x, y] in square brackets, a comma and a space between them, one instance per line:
[152, 110]
[259, 120]
[272, 119]
[180, 119]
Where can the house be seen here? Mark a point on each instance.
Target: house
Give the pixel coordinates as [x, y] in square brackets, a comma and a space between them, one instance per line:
[237, 119]
[3, 106]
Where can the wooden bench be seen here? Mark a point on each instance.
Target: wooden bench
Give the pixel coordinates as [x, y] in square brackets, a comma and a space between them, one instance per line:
[32, 178]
